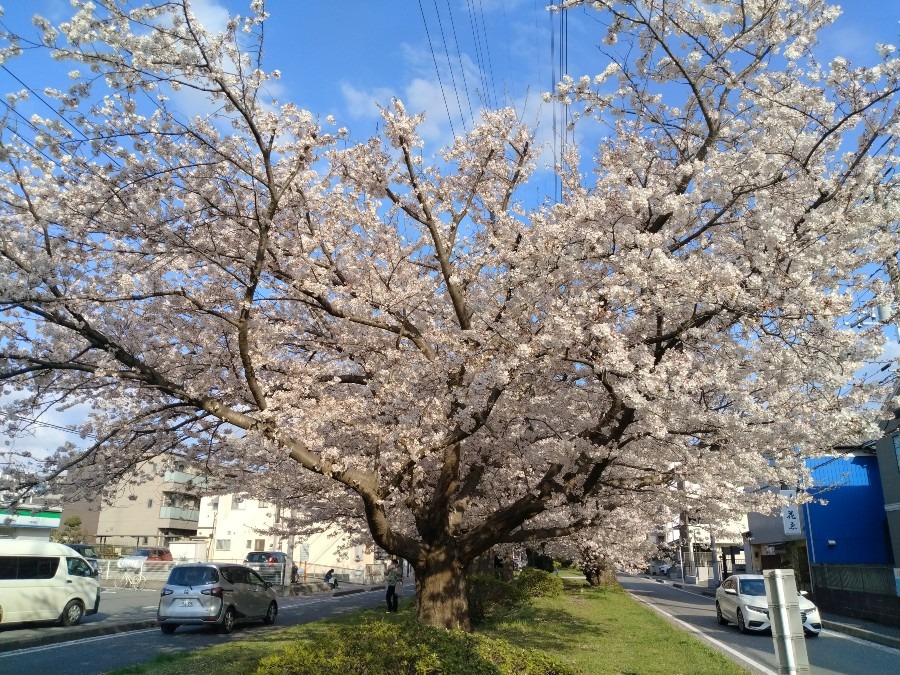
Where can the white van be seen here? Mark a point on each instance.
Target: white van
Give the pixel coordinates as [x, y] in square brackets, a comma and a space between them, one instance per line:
[45, 581]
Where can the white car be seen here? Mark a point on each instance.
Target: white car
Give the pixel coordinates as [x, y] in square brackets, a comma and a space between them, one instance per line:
[741, 599]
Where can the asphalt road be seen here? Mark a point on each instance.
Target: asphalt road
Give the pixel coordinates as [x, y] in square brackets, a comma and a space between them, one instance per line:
[831, 653]
[102, 654]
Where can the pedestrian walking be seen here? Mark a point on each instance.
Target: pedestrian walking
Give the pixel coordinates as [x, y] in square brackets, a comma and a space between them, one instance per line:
[394, 576]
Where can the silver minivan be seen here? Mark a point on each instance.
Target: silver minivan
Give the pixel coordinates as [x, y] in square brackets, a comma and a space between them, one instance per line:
[214, 594]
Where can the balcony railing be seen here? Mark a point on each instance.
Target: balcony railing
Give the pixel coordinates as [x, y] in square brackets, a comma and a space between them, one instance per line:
[183, 478]
[178, 513]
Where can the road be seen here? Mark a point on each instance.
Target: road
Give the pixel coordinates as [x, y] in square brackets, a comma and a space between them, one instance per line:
[831, 653]
[102, 654]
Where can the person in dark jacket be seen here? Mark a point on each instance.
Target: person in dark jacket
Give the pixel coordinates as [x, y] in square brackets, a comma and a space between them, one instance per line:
[393, 577]
[330, 579]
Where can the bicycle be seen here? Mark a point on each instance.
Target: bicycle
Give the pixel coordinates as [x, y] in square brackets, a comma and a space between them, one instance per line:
[129, 579]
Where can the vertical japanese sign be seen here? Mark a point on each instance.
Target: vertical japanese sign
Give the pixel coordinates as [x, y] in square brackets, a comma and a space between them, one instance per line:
[790, 514]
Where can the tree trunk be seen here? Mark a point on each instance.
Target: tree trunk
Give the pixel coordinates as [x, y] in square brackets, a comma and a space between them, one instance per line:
[441, 599]
[602, 574]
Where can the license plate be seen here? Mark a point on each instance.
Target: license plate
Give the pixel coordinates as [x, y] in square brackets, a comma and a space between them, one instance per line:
[187, 603]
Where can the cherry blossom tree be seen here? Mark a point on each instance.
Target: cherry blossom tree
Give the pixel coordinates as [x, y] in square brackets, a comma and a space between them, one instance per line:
[382, 335]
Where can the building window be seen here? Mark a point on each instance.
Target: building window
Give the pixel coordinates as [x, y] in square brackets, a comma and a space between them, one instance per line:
[149, 503]
[240, 503]
[223, 544]
[144, 540]
[260, 544]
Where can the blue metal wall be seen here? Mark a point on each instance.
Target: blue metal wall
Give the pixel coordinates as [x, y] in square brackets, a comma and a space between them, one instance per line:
[854, 517]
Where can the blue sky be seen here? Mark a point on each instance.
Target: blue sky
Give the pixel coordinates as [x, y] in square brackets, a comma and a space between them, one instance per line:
[444, 57]
[447, 58]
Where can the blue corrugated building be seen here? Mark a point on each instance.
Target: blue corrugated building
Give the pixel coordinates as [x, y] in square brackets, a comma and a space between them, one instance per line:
[851, 529]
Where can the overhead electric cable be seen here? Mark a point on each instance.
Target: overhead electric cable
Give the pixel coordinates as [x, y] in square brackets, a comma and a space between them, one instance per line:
[437, 70]
[487, 51]
[556, 182]
[56, 112]
[473, 24]
[68, 430]
[462, 68]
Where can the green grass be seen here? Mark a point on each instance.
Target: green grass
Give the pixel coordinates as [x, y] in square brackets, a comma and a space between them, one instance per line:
[594, 631]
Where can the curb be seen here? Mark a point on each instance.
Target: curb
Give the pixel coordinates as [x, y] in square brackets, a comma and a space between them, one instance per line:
[79, 632]
[862, 633]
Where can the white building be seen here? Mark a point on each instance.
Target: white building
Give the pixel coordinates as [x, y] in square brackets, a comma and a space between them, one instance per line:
[233, 526]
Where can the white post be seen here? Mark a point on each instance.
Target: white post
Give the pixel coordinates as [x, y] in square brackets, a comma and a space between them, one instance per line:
[787, 629]
[717, 576]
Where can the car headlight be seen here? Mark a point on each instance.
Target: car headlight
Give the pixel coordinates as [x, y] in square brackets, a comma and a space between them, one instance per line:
[761, 610]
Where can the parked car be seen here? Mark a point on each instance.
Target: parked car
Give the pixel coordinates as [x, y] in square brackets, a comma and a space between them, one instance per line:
[137, 559]
[741, 599]
[45, 581]
[214, 594]
[89, 553]
[269, 565]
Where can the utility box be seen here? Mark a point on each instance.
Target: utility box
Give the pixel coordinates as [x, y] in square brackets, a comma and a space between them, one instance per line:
[787, 628]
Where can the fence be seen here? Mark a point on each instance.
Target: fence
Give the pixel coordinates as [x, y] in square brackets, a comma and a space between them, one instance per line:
[158, 571]
[857, 578]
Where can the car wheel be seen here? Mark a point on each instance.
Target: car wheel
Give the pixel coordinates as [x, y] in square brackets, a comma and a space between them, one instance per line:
[272, 613]
[812, 634]
[227, 624]
[721, 619]
[740, 622]
[72, 613]
[168, 628]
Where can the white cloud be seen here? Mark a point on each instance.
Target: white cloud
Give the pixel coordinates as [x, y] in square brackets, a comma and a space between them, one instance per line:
[212, 15]
[362, 103]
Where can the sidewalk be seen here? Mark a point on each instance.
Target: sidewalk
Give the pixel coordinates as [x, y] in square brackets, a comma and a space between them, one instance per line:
[45, 634]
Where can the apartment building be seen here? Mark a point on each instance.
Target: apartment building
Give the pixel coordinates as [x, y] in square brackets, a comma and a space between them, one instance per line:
[235, 525]
[154, 512]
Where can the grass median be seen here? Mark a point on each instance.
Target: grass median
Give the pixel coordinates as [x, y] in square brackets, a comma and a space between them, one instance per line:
[591, 630]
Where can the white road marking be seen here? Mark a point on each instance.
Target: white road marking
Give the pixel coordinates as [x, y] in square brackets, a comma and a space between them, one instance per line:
[829, 632]
[755, 664]
[82, 641]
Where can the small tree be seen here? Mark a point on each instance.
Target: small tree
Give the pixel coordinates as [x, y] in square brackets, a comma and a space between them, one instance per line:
[70, 532]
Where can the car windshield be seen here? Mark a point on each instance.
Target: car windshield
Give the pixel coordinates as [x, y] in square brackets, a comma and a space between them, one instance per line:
[753, 587]
[257, 557]
[193, 576]
[88, 552]
[143, 553]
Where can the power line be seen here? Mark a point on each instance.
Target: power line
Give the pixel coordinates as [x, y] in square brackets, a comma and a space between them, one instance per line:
[487, 51]
[461, 66]
[449, 63]
[56, 427]
[437, 70]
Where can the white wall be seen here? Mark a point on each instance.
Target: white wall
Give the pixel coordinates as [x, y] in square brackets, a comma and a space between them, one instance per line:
[228, 521]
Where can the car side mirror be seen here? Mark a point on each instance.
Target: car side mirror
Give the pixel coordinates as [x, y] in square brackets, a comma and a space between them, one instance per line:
[804, 592]
[268, 584]
[730, 591]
